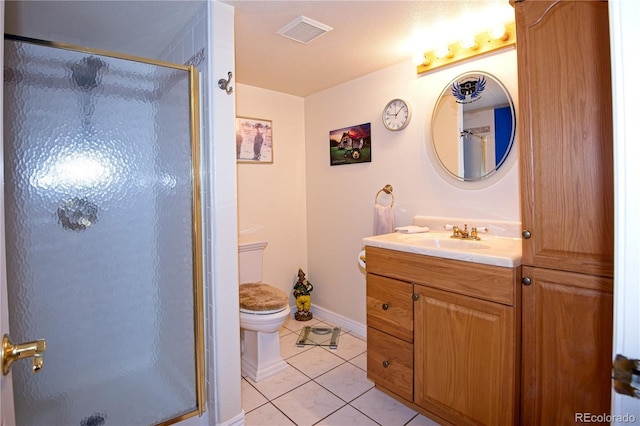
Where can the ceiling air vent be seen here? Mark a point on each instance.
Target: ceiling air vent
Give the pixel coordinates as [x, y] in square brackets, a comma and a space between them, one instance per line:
[303, 29]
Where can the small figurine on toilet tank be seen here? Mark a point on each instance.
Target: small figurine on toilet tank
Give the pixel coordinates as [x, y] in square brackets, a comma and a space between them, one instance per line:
[302, 292]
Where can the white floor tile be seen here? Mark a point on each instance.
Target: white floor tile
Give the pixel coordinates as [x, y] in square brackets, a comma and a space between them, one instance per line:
[276, 385]
[267, 415]
[421, 420]
[284, 331]
[315, 361]
[251, 398]
[288, 346]
[308, 404]
[349, 347]
[347, 381]
[296, 326]
[347, 415]
[360, 361]
[292, 398]
[383, 409]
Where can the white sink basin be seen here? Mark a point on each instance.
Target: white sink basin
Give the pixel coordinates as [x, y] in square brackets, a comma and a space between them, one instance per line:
[490, 250]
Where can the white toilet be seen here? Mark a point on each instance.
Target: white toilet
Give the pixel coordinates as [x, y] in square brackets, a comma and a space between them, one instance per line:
[263, 310]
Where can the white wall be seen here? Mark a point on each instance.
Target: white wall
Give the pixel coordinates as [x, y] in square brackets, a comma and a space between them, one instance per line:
[340, 199]
[220, 198]
[315, 215]
[272, 196]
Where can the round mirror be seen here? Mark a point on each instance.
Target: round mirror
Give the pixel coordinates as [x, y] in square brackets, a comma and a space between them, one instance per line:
[473, 126]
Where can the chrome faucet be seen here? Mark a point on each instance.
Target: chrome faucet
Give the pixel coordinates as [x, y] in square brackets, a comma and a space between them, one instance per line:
[465, 234]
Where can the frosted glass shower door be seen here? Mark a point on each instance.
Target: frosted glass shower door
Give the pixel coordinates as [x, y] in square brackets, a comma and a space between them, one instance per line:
[103, 236]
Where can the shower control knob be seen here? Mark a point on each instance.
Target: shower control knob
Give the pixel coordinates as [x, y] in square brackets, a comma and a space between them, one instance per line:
[526, 234]
[385, 306]
[385, 364]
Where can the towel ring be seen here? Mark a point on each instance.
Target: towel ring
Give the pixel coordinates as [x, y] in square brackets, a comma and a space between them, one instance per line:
[388, 189]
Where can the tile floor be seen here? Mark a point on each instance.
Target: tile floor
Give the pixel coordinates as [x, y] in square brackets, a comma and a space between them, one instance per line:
[322, 386]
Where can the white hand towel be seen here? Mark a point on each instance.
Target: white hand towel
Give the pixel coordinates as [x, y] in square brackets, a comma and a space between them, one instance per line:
[382, 220]
[412, 229]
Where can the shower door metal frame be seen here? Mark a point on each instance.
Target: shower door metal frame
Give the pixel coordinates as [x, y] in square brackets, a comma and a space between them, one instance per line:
[196, 220]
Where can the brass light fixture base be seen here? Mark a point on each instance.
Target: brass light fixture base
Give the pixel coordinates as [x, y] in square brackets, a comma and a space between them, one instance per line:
[485, 44]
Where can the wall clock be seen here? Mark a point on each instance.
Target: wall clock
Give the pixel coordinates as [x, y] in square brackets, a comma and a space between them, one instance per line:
[396, 114]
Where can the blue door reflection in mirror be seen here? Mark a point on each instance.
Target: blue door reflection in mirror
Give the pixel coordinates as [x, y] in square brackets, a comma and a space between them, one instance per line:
[473, 126]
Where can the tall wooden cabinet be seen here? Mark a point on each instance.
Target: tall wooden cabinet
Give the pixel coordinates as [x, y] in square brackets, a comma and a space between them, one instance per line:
[566, 136]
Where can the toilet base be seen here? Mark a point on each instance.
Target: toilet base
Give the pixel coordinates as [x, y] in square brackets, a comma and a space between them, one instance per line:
[261, 355]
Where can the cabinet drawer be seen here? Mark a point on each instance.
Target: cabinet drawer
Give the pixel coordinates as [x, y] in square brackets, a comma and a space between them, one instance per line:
[488, 282]
[390, 363]
[390, 307]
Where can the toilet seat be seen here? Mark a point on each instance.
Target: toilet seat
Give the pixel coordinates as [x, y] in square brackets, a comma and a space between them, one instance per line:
[272, 311]
[262, 299]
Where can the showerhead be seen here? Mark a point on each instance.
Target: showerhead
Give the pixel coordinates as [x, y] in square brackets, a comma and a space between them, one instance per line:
[85, 72]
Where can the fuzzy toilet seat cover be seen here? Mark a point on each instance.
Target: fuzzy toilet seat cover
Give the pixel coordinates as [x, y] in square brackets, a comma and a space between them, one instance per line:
[262, 297]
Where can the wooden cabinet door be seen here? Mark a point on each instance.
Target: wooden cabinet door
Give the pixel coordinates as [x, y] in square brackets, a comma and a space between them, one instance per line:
[567, 323]
[566, 136]
[464, 358]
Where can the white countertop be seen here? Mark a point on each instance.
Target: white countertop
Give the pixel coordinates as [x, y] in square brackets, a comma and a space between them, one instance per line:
[490, 250]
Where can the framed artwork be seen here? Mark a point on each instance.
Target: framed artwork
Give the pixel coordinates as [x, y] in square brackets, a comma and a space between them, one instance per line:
[350, 145]
[254, 140]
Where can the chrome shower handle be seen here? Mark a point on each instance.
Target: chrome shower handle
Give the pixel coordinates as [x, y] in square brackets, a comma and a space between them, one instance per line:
[12, 352]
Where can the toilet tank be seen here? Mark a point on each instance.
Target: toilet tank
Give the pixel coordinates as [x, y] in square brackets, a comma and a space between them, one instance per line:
[250, 261]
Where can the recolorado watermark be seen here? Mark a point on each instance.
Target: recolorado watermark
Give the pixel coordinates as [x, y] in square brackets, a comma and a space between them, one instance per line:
[604, 418]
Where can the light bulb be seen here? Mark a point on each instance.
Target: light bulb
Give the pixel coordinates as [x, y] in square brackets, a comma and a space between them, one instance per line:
[419, 59]
[498, 32]
[443, 52]
[468, 41]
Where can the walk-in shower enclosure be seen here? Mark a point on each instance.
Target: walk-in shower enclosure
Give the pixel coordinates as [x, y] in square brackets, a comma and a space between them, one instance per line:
[103, 235]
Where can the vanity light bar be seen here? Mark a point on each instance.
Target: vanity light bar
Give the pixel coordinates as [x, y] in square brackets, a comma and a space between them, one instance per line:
[484, 44]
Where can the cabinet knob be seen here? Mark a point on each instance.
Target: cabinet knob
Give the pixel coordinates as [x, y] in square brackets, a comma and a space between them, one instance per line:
[385, 364]
[526, 280]
[385, 306]
[415, 296]
[526, 234]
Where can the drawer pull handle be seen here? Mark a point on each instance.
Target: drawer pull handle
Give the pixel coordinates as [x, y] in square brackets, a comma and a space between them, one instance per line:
[385, 306]
[385, 364]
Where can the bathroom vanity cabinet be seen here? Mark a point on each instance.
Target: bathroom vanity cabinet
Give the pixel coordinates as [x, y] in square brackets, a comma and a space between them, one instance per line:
[566, 137]
[443, 336]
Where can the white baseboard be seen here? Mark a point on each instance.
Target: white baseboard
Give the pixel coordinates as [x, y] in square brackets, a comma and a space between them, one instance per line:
[235, 421]
[346, 324]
